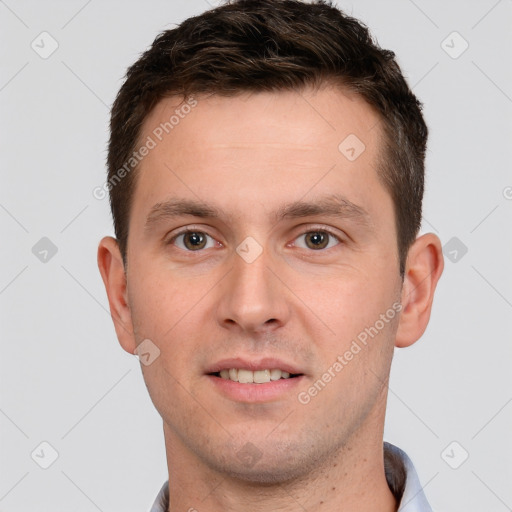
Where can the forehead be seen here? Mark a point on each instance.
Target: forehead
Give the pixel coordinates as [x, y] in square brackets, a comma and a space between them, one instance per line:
[300, 120]
[284, 143]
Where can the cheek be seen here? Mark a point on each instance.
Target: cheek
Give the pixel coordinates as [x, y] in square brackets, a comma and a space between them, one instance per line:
[162, 310]
[363, 316]
[350, 302]
[161, 301]
[354, 359]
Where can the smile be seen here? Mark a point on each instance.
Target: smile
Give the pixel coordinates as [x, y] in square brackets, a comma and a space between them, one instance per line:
[244, 376]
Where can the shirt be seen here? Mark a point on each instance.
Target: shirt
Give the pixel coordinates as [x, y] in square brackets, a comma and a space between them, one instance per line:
[400, 475]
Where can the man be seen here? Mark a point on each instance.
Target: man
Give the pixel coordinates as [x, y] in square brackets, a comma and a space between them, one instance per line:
[266, 168]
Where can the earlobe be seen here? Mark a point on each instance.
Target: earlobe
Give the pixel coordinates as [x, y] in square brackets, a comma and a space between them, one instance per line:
[110, 264]
[423, 269]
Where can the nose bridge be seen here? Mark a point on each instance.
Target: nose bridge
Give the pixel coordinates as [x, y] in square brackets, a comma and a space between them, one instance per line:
[252, 294]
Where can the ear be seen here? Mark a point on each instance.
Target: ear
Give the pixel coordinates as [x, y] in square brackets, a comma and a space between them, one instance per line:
[424, 267]
[112, 272]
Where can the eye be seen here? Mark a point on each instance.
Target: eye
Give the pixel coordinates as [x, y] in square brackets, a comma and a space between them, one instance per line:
[192, 240]
[318, 239]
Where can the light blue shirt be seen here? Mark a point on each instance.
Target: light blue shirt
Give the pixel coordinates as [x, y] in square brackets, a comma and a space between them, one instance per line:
[413, 499]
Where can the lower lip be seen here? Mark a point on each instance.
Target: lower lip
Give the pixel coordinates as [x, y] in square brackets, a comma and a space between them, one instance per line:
[255, 393]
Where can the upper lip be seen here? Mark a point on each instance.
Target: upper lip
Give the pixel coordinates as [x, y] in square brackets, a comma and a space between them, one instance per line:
[253, 364]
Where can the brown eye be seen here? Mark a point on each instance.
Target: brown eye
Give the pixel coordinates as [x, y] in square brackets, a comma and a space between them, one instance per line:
[192, 241]
[318, 240]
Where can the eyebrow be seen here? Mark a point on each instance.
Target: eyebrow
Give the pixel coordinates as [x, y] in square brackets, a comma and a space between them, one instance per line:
[334, 205]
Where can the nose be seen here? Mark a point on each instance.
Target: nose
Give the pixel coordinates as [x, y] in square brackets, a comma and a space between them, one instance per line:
[253, 296]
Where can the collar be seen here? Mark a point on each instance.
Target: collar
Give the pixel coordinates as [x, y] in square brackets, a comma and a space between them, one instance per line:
[400, 475]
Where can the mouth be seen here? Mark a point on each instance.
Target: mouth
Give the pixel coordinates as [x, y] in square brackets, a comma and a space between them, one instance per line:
[246, 376]
[255, 380]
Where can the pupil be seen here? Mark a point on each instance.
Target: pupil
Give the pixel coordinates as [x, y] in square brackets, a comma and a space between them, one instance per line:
[318, 240]
[195, 240]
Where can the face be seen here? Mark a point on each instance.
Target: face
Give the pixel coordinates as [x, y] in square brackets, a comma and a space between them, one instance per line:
[261, 238]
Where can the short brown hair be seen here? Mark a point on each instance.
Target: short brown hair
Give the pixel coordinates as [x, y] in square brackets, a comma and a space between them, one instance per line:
[273, 45]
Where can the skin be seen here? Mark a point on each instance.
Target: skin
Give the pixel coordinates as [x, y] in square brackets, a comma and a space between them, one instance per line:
[249, 155]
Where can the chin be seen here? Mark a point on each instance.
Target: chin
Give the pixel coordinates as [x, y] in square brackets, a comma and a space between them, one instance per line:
[266, 474]
[272, 465]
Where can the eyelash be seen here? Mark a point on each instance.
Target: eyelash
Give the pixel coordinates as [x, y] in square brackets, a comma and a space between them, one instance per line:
[311, 230]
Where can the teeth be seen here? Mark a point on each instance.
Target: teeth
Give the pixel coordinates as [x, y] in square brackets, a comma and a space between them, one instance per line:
[275, 374]
[262, 376]
[258, 377]
[245, 376]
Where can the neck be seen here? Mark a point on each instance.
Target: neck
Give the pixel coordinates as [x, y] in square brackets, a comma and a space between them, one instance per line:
[352, 479]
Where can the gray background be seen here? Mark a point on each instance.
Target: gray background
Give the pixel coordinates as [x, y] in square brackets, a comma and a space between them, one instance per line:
[64, 378]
